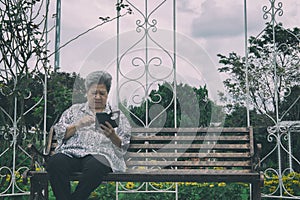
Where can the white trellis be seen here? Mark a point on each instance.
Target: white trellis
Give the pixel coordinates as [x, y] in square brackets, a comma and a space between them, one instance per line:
[13, 135]
[281, 134]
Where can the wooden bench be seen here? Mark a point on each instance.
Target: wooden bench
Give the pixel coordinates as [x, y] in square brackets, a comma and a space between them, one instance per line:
[177, 155]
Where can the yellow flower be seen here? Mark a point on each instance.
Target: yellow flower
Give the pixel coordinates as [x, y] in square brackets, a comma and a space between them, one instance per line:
[17, 174]
[211, 185]
[222, 184]
[94, 194]
[8, 177]
[141, 167]
[112, 183]
[188, 183]
[157, 185]
[129, 185]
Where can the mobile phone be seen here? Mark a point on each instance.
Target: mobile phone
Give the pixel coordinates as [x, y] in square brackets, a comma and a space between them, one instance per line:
[112, 118]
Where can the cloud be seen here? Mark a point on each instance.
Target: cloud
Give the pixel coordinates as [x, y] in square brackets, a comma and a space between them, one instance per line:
[189, 6]
[218, 25]
[218, 20]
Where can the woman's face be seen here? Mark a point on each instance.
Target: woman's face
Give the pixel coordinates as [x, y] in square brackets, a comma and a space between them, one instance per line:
[97, 96]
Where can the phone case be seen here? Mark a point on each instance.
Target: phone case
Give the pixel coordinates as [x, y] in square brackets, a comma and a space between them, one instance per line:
[112, 118]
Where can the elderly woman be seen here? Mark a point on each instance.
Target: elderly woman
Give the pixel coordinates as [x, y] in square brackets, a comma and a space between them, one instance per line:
[82, 147]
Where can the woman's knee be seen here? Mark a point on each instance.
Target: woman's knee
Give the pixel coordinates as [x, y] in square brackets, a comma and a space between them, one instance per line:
[58, 162]
[97, 165]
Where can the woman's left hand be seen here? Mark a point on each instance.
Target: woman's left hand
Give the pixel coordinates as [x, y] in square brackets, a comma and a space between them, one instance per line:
[108, 130]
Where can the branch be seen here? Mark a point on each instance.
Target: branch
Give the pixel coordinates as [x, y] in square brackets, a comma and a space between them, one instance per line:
[105, 20]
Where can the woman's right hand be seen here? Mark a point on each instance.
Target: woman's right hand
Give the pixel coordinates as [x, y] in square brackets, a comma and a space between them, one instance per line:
[87, 120]
[84, 121]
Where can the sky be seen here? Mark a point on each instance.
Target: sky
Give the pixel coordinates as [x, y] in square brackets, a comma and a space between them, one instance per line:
[210, 27]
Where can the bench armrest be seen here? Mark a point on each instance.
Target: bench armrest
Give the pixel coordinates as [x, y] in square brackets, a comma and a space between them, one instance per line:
[258, 150]
[35, 153]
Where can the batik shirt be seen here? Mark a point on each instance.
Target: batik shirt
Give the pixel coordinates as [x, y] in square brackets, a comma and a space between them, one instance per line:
[89, 140]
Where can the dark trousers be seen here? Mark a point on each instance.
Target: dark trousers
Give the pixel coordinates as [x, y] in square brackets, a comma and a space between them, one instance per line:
[61, 166]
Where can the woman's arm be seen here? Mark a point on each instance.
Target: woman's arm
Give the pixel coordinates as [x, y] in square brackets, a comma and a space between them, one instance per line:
[70, 131]
[87, 120]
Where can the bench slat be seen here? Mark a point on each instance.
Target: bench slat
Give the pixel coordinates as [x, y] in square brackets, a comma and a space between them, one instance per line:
[192, 130]
[189, 146]
[200, 171]
[185, 176]
[191, 138]
[186, 155]
[190, 163]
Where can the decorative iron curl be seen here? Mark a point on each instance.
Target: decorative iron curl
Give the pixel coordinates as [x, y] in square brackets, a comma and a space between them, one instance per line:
[271, 137]
[277, 129]
[156, 58]
[123, 186]
[272, 129]
[135, 60]
[6, 91]
[284, 47]
[19, 172]
[153, 25]
[152, 185]
[143, 25]
[137, 94]
[272, 172]
[10, 173]
[273, 10]
[283, 129]
[291, 171]
[140, 26]
[287, 90]
[10, 133]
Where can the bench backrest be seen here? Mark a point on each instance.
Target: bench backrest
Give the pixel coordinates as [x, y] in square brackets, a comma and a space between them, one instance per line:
[206, 149]
[216, 149]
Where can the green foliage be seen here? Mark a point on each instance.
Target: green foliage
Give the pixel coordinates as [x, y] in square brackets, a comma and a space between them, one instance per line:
[262, 62]
[193, 107]
[22, 45]
[291, 105]
[63, 90]
[291, 182]
[22, 57]
[186, 191]
[120, 5]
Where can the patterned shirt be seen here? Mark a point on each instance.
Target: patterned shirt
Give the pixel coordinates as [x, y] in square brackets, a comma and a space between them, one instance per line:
[89, 141]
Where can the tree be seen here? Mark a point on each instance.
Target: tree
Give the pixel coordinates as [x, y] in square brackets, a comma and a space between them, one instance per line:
[23, 53]
[64, 89]
[22, 57]
[290, 104]
[266, 86]
[188, 98]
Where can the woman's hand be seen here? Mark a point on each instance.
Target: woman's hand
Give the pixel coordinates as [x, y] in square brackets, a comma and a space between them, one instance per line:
[84, 121]
[87, 120]
[110, 132]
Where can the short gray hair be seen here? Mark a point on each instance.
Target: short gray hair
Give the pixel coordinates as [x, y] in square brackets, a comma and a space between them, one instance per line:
[98, 77]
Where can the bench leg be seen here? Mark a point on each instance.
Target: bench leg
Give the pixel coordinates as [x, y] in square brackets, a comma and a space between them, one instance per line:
[39, 187]
[255, 191]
